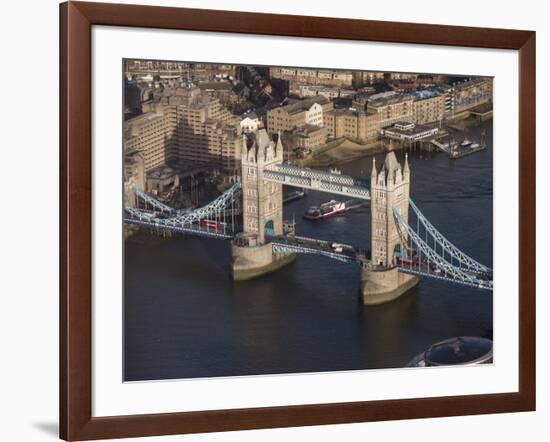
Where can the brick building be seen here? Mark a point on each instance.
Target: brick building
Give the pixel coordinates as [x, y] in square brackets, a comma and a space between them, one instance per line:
[297, 113]
[360, 125]
[189, 125]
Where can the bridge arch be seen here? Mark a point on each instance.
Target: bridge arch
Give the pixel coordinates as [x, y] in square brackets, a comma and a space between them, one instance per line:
[269, 229]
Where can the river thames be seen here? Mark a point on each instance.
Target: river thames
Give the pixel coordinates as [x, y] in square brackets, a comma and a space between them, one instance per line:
[186, 318]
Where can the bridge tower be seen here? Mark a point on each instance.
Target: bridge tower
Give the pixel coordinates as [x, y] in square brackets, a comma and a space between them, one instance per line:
[262, 200]
[381, 280]
[389, 188]
[251, 250]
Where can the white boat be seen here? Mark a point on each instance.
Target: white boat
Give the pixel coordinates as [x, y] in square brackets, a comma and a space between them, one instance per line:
[325, 210]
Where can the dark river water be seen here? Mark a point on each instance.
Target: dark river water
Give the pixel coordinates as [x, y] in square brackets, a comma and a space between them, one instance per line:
[186, 318]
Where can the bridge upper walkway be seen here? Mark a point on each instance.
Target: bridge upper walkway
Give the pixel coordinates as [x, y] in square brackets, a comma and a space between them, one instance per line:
[320, 180]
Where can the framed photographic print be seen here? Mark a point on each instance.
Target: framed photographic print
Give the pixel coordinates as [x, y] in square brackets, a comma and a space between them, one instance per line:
[272, 220]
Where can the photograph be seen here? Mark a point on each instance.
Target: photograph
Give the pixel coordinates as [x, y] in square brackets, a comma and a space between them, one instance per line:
[237, 221]
[282, 220]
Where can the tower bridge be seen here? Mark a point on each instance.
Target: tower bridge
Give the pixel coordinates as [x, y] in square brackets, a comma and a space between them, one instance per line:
[400, 253]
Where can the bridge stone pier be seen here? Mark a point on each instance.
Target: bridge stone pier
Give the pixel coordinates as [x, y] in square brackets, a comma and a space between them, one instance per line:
[381, 280]
[262, 210]
[380, 285]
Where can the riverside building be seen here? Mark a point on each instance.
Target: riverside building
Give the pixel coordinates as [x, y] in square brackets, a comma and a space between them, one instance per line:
[297, 113]
[428, 106]
[360, 125]
[391, 107]
[188, 125]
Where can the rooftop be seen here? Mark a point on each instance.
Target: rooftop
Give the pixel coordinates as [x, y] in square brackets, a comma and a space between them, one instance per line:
[308, 129]
[469, 83]
[324, 88]
[386, 98]
[138, 121]
[251, 115]
[424, 94]
[351, 111]
[161, 172]
[239, 87]
[295, 106]
[216, 85]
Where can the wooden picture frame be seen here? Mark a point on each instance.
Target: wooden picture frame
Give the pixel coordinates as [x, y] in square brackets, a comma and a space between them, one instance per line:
[76, 21]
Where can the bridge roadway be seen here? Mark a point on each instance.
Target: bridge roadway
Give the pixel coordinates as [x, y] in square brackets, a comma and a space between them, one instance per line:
[320, 180]
[482, 281]
[191, 229]
[300, 244]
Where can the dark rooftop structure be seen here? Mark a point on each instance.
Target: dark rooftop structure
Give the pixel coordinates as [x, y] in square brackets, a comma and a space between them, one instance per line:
[215, 85]
[386, 98]
[424, 94]
[294, 106]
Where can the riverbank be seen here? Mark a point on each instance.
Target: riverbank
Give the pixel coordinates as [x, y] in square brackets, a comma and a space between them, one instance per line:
[339, 152]
[468, 119]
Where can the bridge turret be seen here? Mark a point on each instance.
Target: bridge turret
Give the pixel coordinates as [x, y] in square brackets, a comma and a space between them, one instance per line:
[279, 148]
[406, 170]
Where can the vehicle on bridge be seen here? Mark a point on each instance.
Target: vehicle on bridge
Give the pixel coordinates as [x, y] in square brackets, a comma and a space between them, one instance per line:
[407, 262]
[213, 225]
